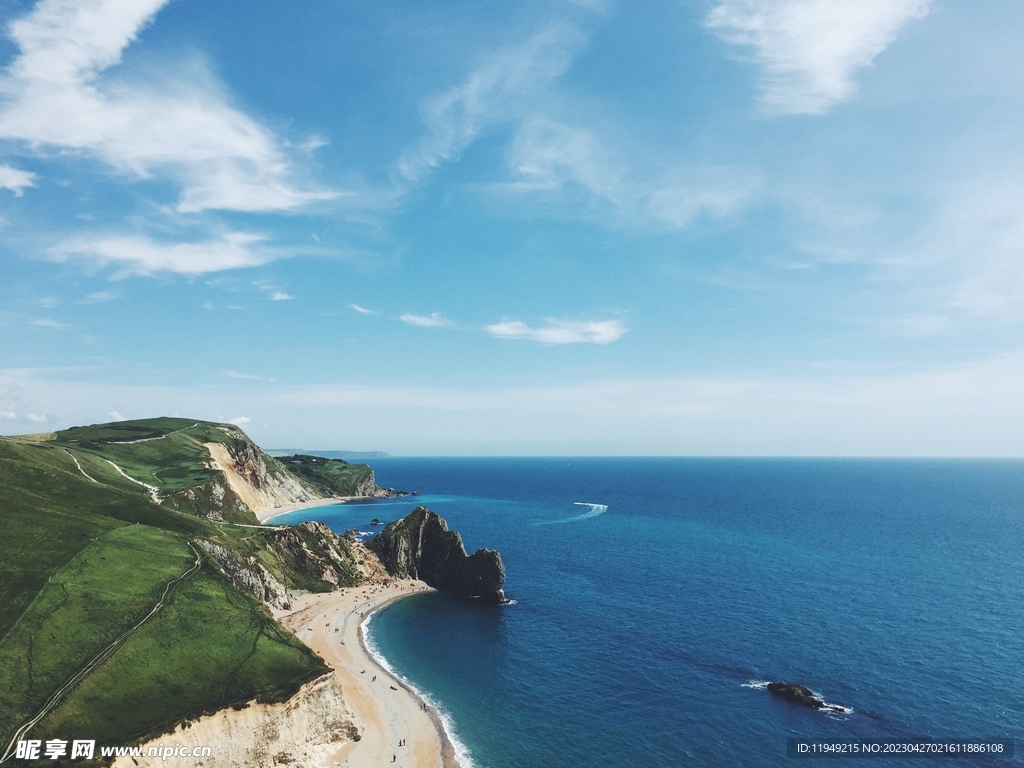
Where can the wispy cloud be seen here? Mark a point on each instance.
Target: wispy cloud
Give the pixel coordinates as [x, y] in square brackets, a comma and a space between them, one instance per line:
[46, 322]
[98, 297]
[916, 324]
[555, 161]
[978, 232]
[362, 310]
[116, 416]
[810, 50]
[15, 179]
[433, 320]
[281, 296]
[245, 376]
[143, 255]
[561, 331]
[181, 128]
[497, 92]
[239, 421]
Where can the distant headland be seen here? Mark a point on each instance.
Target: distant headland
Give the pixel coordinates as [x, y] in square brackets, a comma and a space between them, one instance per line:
[344, 455]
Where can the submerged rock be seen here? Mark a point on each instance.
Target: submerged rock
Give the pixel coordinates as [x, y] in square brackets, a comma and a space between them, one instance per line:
[797, 694]
[420, 546]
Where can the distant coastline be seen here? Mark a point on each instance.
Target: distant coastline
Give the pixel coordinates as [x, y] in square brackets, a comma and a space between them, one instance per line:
[343, 455]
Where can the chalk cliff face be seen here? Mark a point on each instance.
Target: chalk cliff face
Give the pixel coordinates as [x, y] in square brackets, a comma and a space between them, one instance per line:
[304, 732]
[257, 479]
[420, 546]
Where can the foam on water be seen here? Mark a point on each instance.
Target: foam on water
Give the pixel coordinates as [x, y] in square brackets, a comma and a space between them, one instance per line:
[462, 754]
[595, 510]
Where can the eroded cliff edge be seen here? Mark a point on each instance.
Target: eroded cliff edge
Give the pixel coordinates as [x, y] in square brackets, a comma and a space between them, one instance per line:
[420, 546]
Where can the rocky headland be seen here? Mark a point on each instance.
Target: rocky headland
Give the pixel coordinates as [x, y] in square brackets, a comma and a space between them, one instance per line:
[420, 546]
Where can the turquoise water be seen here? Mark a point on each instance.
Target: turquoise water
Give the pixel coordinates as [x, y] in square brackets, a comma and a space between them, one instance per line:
[655, 596]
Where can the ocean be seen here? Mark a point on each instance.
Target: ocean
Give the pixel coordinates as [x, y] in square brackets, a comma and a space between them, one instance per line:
[655, 598]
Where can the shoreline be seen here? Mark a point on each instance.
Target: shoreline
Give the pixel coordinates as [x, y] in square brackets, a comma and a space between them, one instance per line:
[449, 752]
[267, 515]
[333, 625]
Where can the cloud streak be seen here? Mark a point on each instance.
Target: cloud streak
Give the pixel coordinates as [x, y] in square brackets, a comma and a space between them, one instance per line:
[144, 256]
[810, 50]
[434, 320]
[558, 332]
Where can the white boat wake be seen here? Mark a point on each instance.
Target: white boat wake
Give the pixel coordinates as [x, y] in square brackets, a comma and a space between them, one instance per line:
[595, 510]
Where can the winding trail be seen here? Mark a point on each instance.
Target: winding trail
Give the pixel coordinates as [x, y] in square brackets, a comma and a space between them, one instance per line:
[99, 658]
[153, 490]
[74, 459]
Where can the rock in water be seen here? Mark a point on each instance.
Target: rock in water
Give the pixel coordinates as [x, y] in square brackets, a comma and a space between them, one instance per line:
[800, 695]
[420, 546]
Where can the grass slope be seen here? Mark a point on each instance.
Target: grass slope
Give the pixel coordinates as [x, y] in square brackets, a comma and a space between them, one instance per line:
[106, 588]
[87, 553]
[213, 646]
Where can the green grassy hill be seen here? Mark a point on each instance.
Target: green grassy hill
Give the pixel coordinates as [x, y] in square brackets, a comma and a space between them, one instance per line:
[103, 524]
[331, 477]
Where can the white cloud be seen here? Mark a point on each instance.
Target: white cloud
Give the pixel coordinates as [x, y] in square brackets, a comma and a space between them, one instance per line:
[181, 128]
[362, 310]
[240, 421]
[810, 50]
[35, 418]
[281, 296]
[433, 320]
[15, 179]
[115, 416]
[497, 92]
[8, 415]
[142, 255]
[561, 331]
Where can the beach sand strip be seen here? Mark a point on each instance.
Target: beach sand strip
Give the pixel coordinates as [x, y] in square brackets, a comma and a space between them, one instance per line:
[387, 711]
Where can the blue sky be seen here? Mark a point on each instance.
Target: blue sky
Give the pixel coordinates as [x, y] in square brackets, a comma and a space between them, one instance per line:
[728, 227]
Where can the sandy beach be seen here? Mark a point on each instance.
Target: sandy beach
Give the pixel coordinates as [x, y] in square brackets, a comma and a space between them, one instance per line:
[386, 711]
[266, 515]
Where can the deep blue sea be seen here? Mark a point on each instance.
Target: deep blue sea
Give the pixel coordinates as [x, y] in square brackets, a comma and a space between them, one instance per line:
[654, 598]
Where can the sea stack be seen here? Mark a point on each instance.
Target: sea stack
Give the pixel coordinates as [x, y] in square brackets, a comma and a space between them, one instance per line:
[420, 546]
